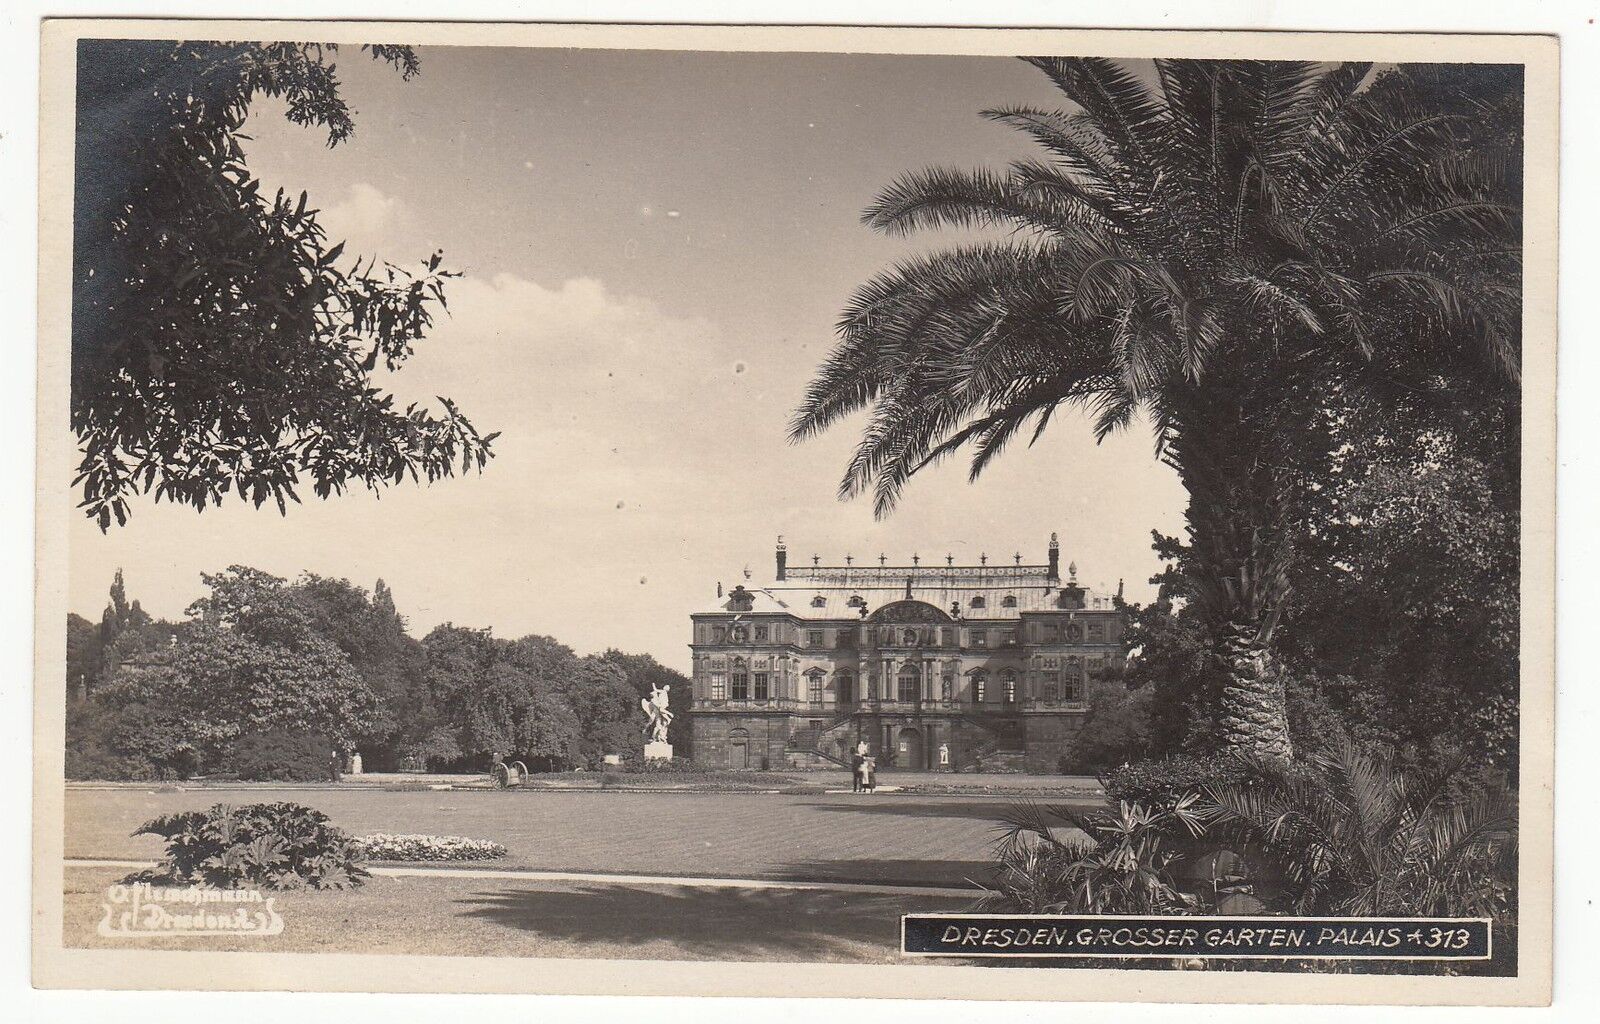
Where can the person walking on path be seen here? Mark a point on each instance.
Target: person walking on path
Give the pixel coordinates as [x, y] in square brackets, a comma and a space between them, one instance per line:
[869, 774]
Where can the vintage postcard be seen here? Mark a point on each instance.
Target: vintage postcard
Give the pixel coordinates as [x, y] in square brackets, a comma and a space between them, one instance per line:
[1000, 514]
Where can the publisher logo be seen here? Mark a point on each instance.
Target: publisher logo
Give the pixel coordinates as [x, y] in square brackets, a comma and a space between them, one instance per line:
[140, 909]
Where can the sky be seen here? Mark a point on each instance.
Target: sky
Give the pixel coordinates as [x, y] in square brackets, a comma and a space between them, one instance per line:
[655, 249]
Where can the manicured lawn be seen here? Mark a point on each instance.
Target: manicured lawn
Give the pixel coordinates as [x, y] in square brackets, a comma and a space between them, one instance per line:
[497, 917]
[902, 839]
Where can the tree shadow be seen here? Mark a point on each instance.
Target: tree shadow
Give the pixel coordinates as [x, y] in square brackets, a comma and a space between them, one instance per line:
[718, 923]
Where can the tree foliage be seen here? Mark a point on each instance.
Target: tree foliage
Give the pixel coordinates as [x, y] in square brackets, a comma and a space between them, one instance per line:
[220, 341]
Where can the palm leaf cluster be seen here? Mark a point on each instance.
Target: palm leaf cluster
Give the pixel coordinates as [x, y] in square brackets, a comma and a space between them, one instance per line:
[1343, 833]
[1055, 860]
[1174, 244]
[1351, 834]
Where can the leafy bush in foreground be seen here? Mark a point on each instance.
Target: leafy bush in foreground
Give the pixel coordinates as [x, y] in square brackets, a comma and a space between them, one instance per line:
[1342, 833]
[274, 846]
[382, 846]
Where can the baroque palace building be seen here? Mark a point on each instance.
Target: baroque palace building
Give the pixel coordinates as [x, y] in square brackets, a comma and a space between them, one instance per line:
[942, 667]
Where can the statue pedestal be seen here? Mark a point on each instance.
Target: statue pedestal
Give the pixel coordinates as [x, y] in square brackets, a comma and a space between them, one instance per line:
[658, 751]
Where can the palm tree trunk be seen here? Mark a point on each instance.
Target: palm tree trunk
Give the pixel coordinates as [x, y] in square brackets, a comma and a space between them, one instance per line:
[1254, 717]
[1239, 518]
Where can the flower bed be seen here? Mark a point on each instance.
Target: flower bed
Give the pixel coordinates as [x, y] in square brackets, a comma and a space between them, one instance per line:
[382, 846]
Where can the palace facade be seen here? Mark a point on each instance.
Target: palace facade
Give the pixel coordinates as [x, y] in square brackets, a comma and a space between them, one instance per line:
[939, 667]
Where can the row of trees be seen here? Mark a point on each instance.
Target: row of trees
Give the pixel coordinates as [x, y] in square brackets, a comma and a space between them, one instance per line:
[263, 656]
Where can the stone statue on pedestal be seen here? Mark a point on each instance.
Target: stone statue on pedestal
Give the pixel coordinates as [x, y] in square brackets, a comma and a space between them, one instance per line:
[658, 717]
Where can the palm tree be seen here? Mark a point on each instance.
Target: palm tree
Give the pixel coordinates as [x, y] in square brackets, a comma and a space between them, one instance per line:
[1231, 252]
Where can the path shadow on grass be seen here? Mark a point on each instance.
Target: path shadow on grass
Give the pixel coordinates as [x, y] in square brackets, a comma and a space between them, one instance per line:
[713, 923]
[989, 810]
[887, 871]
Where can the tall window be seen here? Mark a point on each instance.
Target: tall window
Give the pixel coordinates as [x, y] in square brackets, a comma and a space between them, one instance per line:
[1052, 686]
[1008, 679]
[1072, 685]
[844, 688]
[978, 686]
[814, 688]
[719, 686]
[760, 692]
[741, 682]
[910, 685]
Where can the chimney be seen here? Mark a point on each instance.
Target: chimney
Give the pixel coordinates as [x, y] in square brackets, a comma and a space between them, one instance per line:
[783, 560]
[1054, 575]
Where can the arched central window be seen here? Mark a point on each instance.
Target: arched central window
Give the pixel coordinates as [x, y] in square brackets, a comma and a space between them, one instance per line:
[910, 690]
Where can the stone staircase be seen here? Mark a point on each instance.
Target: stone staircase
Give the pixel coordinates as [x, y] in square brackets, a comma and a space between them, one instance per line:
[805, 749]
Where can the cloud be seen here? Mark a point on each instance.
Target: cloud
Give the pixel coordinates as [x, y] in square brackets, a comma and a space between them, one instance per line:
[362, 216]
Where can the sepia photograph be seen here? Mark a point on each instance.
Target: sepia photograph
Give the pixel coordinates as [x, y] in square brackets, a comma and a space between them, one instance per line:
[1016, 510]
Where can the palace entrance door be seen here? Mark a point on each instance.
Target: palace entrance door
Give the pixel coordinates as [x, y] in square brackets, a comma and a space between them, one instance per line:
[908, 752]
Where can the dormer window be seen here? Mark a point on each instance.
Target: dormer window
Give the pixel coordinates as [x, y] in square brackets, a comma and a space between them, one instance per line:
[1009, 601]
[979, 602]
[819, 602]
[856, 601]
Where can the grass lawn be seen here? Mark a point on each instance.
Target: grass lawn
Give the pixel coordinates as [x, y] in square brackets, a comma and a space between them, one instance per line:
[498, 917]
[895, 838]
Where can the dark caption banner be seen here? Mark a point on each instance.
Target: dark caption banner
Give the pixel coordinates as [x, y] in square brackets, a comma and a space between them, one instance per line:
[1287, 938]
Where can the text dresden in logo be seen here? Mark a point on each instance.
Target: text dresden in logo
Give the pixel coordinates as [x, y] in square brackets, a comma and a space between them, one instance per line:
[140, 908]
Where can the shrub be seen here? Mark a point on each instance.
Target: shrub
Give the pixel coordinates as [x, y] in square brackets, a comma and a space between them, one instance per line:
[274, 846]
[382, 846]
[137, 741]
[1116, 730]
[282, 756]
[1163, 783]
